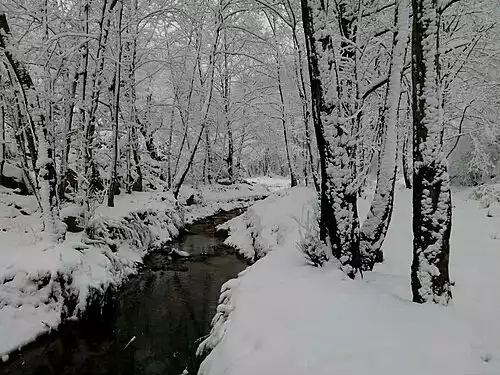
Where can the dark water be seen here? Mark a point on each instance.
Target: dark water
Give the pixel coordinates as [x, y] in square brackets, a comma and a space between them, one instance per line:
[167, 307]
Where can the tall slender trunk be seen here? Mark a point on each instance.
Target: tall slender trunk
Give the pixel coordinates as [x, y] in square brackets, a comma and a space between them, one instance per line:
[83, 104]
[207, 168]
[293, 179]
[226, 93]
[113, 178]
[133, 119]
[272, 24]
[431, 183]
[63, 171]
[302, 88]
[145, 128]
[375, 226]
[169, 147]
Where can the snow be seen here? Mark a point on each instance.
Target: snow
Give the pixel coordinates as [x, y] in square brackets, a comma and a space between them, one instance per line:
[281, 316]
[41, 284]
[270, 222]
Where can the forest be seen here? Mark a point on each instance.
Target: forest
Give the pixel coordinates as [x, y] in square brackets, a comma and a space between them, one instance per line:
[126, 121]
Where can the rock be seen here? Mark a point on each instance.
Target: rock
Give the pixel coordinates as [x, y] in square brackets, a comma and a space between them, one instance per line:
[190, 200]
[494, 210]
[73, 224]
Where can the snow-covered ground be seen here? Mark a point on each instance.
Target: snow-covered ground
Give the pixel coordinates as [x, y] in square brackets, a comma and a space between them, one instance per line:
[281, 316]
[41, 284]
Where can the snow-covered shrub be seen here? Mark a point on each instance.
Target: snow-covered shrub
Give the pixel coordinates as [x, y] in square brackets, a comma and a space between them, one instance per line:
[486, 194]
[315, 251]
[143, 229]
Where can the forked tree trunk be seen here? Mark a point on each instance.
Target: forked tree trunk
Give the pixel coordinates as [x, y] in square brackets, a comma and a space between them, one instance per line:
[431, 183]
[375, 226]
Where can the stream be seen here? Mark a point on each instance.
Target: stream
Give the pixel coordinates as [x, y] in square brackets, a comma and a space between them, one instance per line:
[167, 307]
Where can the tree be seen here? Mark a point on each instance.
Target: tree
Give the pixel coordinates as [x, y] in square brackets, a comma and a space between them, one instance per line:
[207, 100]
[339, 223]
[375, 225]
[113, 178]
[431, 183]
[45, 165]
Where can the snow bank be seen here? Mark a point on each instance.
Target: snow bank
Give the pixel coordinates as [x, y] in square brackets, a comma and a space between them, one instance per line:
[211, 199]
[43, 284]
[283, 317]
[487, 194]
[270, 223]
[275, 183]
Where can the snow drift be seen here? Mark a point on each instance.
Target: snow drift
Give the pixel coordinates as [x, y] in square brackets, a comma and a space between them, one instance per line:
[283, 316]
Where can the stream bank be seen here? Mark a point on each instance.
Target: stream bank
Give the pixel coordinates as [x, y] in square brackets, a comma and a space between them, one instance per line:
[153, 323]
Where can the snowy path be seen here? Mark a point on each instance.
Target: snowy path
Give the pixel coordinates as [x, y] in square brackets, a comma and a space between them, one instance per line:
[288, 318]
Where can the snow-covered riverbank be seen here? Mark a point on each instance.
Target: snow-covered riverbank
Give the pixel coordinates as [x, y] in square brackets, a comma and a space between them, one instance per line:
[282, 316]
[42, 284]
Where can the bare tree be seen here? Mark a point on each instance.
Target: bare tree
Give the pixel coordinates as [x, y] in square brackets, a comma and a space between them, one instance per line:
[45, 167]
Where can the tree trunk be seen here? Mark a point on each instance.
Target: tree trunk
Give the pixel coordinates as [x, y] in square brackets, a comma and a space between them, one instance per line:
[405, 162]
[272, 23]
[207, 168]
[169, 148]
[226, 93]
[133, 119]
[375, 226]
[83, 104]
[144, 127]
[431, 183]
[113, 178]
[293, 179]
[301, 85]
[66, 136]
[339, 221]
